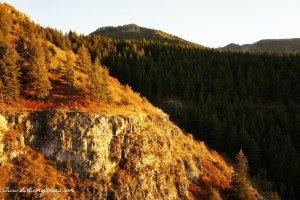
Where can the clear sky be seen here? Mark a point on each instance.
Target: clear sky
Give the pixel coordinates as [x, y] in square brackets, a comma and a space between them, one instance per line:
[212, 23]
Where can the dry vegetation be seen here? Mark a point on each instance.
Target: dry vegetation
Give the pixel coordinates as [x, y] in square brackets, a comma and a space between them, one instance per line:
[31, 169]
[122, 101]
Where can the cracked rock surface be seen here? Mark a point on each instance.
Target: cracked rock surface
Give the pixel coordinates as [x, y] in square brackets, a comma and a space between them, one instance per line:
[135, 157]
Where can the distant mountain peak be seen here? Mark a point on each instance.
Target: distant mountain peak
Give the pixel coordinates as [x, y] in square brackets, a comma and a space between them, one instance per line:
[134, 31]
[232, 47]
[125, 28]
[132, 25]
[131, 28]
[278, 46]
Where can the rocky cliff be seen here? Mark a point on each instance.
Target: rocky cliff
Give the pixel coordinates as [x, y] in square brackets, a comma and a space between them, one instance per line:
[128, 157]
[91, 137]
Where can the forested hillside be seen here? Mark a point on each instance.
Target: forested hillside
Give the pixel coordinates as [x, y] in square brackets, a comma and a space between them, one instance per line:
[34, 69]
[70, 131]
[230, 100]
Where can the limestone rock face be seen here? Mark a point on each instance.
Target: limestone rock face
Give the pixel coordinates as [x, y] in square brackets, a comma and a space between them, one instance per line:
[3, 124]
[3, 129]
[134, 157]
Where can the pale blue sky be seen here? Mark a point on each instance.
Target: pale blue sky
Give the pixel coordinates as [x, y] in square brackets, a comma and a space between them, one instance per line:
[212, 23]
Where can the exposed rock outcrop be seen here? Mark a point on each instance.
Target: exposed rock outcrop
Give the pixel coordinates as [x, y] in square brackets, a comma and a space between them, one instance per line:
[3, 129]
[134, 157]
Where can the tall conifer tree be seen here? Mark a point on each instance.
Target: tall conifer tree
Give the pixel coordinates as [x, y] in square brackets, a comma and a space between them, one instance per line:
[84, 62]
[98, 75]
[39, 73]
[10, 75]
[240, 182]
[69, 71]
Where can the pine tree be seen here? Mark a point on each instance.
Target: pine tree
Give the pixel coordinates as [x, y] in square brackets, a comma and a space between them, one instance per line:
[240, 183]
[68, 70]
[38, 72]
[214, 194]
[84, 62]
[98, 77]
[217, 131]
[10, 71]
[5, 22]
[274, 196]
[254, 154]
[231, 141]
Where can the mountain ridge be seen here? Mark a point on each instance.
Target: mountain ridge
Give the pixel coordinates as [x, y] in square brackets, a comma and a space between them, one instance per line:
[279, 46]
[134, 31]
[87, 132]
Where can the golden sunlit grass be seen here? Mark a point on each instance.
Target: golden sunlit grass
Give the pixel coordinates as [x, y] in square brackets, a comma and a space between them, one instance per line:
[209, 166]
[5, 170]
[122, 101]
[31, 169]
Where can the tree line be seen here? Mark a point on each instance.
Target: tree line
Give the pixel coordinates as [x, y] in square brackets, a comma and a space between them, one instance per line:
[25, 55]
[230, 100]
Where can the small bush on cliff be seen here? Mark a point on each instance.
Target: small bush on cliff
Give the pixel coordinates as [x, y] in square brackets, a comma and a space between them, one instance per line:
[214, 194]
[274, 196]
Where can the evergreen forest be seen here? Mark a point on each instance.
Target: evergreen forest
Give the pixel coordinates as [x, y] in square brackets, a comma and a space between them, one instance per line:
[230, 100]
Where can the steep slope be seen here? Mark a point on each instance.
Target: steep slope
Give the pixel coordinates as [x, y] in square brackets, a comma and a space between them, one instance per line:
[133, 31]
[137, 156]
[279, 46]
[67, 145]
[247, 100]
